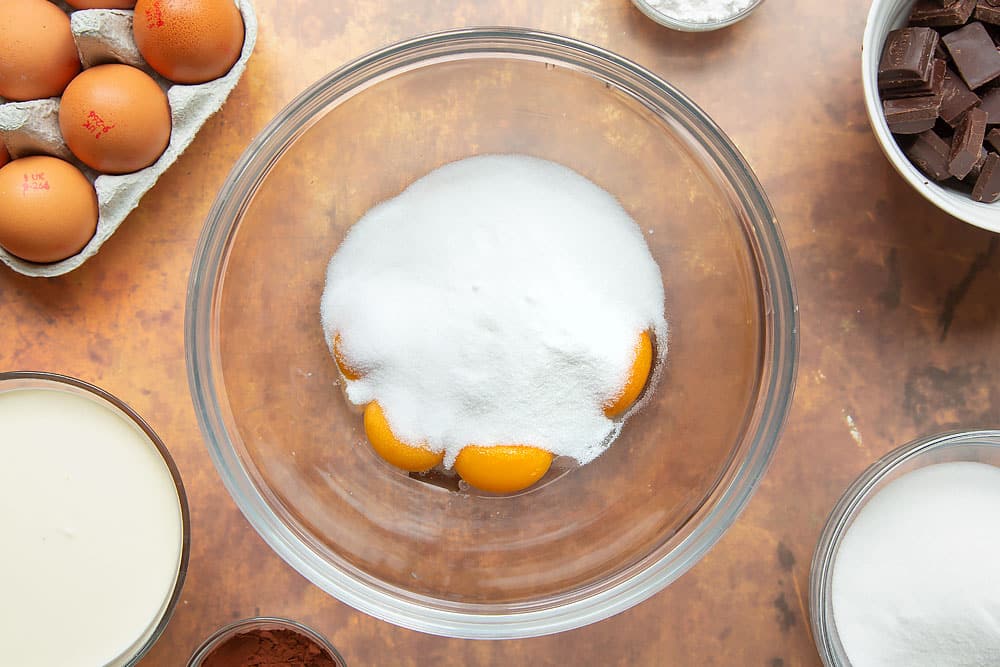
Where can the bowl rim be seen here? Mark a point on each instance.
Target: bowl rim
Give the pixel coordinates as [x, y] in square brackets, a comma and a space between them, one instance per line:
[38, 379]
[675, 23]
[956, 204]
[736, 484]
[862, 489]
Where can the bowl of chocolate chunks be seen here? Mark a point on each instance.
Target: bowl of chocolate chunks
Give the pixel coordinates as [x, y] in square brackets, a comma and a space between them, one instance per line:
[931, 74]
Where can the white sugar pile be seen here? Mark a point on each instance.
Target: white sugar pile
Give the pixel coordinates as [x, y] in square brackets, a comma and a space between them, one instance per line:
[497, 300]
[917, 580]
[700, 11]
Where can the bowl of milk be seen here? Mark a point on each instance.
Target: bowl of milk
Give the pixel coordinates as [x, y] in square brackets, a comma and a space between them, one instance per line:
[95, 523]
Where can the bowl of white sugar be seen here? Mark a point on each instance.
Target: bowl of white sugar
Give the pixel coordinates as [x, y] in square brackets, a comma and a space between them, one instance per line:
[491, 333]
[697, 15]
[906, 571]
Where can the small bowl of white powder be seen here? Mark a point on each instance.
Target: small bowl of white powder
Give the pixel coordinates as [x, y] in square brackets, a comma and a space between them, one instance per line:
[905, 573]
[697, 15]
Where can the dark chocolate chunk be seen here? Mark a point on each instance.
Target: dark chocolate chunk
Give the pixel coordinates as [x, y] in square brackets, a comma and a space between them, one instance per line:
[929, 153]
[978, 167]
[987, 11]
[974, 54]
[967, 143]
[938, 69]
[944, 130]
[993, 138]
[956, 98]
[941, 97]
[931, 13]
[991, 105]
[987, 187]
[911, 115]
[907, 58]
[932, 87]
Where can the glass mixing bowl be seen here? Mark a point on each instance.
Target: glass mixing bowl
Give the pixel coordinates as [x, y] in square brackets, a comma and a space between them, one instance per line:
[591, 542]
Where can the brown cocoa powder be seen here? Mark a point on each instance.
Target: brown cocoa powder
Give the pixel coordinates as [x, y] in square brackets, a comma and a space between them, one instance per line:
[270, 648]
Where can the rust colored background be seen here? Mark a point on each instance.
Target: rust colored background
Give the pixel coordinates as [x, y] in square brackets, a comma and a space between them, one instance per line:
[899, 322]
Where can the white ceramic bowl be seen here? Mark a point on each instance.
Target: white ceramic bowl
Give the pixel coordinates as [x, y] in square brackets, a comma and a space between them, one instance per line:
[884, 16]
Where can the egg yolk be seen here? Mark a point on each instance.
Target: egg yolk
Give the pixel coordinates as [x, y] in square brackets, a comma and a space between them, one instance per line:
[637, 377]
[390, 448]
[496, 469]
[345, 368]
[502, 468]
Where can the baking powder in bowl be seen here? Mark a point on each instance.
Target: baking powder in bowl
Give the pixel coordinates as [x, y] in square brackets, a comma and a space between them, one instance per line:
[92, 532]
[700, 11]
[916, 582]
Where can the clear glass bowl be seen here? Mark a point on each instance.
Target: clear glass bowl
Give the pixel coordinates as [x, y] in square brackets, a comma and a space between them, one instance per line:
[224, 634]
[20, 380]
[596, 540]
[677, 23]
[977, 446]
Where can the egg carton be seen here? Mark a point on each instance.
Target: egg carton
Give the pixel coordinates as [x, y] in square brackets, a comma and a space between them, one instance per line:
[32, 128]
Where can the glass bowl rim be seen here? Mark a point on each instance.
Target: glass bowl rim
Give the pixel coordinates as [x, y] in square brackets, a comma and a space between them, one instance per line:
[230, 629]
[41, 378]
[848, 505]
[756, 448]
[668, 21]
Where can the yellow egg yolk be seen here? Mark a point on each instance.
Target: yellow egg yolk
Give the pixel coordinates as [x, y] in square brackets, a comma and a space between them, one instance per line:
[345, 368]
[637, 377]
[502, 468]
[390, 448]
[496, 469]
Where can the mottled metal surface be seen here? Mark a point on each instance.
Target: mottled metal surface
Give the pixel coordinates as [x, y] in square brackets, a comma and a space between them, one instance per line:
[898, 313]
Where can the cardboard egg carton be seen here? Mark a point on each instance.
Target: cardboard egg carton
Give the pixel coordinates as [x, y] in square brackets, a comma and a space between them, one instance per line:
[32, 128]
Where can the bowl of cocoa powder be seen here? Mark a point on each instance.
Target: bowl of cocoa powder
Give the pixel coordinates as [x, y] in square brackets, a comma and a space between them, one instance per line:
[266, 642]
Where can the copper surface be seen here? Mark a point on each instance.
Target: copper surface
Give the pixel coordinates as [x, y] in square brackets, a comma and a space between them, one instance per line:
[899, 323]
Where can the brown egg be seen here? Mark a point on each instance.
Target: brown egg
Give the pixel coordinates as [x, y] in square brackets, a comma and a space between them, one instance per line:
[48, 209]
[4, 155]
[115, 119]
[37, 54]
[101, 4]
[189, 41]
